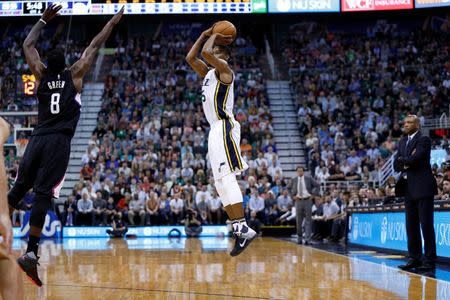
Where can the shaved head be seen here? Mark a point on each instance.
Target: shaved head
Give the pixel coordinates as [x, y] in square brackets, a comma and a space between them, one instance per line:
[411, 124]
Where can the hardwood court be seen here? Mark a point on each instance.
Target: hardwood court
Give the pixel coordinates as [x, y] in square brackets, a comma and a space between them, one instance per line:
[269, 269]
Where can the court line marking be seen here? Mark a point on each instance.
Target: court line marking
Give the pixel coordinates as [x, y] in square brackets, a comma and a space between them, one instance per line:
[156, 290]
[371, 262]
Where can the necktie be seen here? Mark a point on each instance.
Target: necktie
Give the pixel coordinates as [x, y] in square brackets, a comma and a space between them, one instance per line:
[300, 187]
[407, 143]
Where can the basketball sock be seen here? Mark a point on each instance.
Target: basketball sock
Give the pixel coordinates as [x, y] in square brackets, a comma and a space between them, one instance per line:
[33, 244]
[238, 224]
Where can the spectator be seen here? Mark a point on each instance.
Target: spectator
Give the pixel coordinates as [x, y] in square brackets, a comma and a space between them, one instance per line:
[110, 210]
[256, 204]
[202, 208]
[69, 217]
[254, 222]
[284, 202]
[176, 209]
[164, 209]
[100, 210]
[118, 227]
[136, 209]
[152, 209]
[193, 226]
[215, 209]
[85, 210]
[271, 210]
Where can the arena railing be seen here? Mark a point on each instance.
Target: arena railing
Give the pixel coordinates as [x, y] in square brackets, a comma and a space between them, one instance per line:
[347, 184]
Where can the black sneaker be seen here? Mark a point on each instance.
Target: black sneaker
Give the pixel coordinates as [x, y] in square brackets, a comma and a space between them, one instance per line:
[243, 239]
[28, 263]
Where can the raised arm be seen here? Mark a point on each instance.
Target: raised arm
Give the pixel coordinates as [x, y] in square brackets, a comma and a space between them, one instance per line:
[29, 49]
[192, 58]
[82, 66]
[225, 73]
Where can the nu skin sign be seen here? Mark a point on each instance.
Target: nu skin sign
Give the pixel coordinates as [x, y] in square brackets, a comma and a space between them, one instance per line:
[387, 230]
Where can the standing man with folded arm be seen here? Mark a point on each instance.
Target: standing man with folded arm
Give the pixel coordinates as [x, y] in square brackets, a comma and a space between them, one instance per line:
[10, 280]
[418, 185]
[302, 188]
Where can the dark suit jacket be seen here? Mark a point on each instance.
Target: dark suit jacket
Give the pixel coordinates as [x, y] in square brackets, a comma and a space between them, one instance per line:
[311, 185]
[414, 160]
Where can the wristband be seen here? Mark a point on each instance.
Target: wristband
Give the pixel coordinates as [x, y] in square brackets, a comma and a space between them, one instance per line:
[40, 20]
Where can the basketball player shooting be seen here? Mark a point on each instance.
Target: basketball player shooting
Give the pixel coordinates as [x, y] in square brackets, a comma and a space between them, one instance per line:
[46, 157]
[224, 136]
[10, 281]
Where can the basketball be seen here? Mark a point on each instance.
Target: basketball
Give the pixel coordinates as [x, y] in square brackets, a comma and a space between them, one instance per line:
[225, 28]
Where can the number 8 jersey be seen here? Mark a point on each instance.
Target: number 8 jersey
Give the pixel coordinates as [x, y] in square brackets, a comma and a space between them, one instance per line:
[59, 104]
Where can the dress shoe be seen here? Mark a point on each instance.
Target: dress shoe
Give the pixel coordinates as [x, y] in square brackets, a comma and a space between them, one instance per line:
[426, 267]
[310, 243]
[411, 264]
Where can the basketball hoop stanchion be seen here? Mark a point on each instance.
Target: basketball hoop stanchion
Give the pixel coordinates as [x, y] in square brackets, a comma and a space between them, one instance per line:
[21, 146]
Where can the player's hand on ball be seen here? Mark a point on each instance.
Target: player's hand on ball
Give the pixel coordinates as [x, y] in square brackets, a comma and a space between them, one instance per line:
[4, 131]
[51, 12]
[6, 231]
[207, 33]
[223, 39]
[118, 16]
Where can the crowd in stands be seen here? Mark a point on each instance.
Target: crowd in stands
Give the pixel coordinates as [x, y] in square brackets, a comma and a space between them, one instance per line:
[353, 90]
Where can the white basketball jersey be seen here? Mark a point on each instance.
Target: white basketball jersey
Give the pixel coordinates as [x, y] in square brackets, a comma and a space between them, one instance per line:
[218, 98]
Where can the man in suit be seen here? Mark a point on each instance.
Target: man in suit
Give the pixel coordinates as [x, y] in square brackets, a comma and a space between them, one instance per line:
[302, 188]
[418, 185]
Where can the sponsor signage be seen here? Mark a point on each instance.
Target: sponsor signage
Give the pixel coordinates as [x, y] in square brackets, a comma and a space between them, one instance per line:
[52, 226]
[431, 3]
[387, 230]
[147, 231]
[374, 5]
[291, 6]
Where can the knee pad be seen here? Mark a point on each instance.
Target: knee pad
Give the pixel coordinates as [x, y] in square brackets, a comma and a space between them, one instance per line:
[41, 204]
[233, 191]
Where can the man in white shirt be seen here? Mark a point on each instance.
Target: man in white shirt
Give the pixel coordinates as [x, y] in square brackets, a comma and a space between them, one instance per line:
[256, 204]
[215, 209]
[85, 208]
[202, 192]
[176, 209]
[275, 169]
[302, 188]
[330, 212]
[136, 208]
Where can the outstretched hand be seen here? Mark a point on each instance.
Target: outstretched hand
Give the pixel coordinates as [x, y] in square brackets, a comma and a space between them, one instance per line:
[51, 12]
[118, 16]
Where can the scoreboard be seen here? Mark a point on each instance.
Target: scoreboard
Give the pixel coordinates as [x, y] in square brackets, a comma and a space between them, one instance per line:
[139, 7]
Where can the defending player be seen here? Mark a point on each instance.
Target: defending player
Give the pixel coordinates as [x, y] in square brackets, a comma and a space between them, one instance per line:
[225, 133]
[46, 157]
[10, 281]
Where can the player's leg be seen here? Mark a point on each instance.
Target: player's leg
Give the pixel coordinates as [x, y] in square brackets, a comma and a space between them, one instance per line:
[10, 281]
[49, 180]
[229, 191]
[26, 174]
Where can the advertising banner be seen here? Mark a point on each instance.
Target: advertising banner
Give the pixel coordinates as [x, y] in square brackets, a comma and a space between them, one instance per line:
[295, 6]
[387, 230]
[374, 5]
[432, 3]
